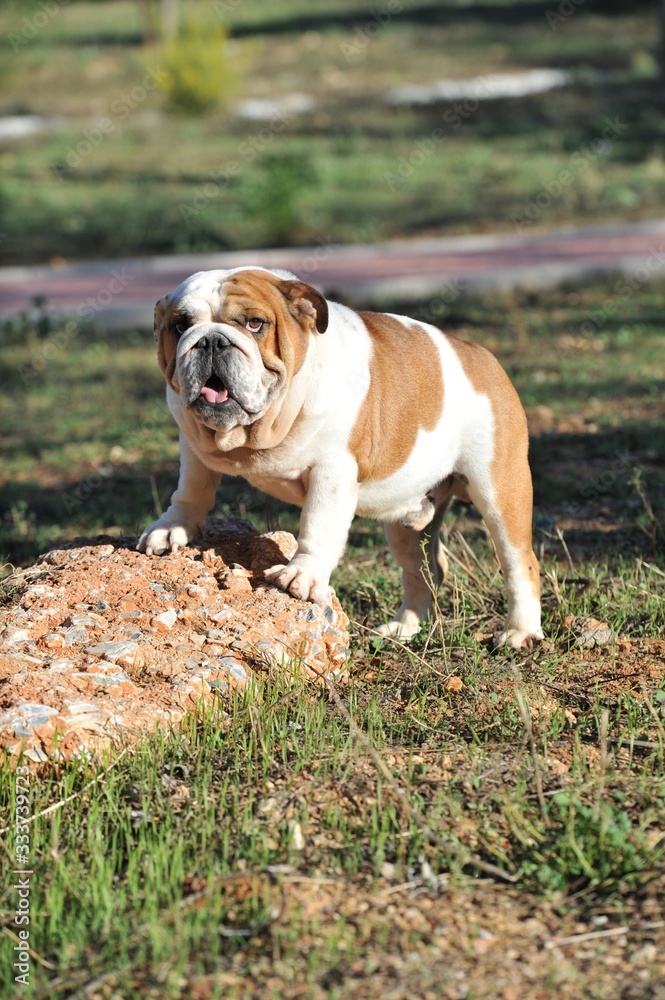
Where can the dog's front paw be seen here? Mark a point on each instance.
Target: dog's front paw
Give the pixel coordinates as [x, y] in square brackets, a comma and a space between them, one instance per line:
[515, 638]
[404, 626]
[303, 577]
[165, 536]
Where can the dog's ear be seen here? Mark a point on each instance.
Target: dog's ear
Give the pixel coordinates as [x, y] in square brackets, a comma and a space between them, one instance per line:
[166, 342]
[160, 312]
[306, 304]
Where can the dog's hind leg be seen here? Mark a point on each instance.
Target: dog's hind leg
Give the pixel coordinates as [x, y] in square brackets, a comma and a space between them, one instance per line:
[406, 545]
[505, 502]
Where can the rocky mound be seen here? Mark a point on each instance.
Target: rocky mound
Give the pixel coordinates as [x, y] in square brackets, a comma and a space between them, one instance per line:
[105, 642]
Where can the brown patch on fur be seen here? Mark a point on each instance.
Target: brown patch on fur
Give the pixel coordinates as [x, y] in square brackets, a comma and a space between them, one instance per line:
[510, 470]
[293, 311]
[166, 341]
[405, 394]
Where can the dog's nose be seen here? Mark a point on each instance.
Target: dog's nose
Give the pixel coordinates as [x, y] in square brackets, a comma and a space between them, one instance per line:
[212, 341]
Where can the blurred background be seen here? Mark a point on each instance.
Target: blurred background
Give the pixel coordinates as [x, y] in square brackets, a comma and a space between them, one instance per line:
[131, 128]
[282, 123]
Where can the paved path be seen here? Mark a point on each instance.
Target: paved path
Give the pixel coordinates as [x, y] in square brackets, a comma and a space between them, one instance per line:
[123, 293]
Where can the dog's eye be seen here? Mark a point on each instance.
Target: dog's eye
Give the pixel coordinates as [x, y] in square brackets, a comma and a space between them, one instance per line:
[255, 324]
[182, 325]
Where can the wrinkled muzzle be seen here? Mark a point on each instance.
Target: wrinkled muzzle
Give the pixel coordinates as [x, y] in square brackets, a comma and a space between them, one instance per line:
[222, 376]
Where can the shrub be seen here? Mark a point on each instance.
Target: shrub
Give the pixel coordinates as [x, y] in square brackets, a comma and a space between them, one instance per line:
[275, 192]
[197, 74]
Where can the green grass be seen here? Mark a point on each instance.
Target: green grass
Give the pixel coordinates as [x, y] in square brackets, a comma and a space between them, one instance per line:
[100, 449]
[173, 868]
[125, 194]
[130, 840]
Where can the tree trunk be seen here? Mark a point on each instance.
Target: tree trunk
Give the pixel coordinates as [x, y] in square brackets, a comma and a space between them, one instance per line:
[148, 21]
[169, 19]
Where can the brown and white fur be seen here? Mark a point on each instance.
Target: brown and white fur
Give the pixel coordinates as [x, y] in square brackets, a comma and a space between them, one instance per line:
[343, 413]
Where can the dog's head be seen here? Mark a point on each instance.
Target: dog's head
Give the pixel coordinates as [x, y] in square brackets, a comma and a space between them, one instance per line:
[230, 342]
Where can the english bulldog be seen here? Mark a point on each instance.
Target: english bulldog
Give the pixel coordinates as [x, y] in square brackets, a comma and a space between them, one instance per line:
[343, 413]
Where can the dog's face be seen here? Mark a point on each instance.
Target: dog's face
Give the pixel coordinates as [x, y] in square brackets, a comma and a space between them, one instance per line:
[230, 342]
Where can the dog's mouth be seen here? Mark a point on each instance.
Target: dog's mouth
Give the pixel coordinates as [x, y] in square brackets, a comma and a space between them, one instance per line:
[214, 391]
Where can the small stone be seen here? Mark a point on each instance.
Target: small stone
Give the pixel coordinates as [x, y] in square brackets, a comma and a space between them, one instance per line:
[39, 590]
[236, 584]
[589, 632]
[28, 715]
[234, 668]
[330, 633]
[297, 838]
[158, 587]
[60, 666]
[55, 557]
[16, 635]
[165, 621]
[23, 660]
[91, 620]
[216, 634]
[108, 680]
[221, 616]
[102, 605]
[219, 685]
[76, 635]
[82, 708]
[241, 646]
[52, 640]
[272, 651]
[126, 653]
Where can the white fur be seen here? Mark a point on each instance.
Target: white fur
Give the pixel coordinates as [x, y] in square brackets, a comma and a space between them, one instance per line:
[313, 467]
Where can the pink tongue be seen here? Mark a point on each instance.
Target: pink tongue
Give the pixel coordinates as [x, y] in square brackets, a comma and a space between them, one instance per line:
[213, 396]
